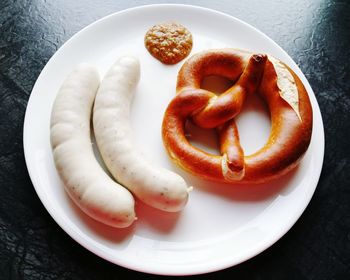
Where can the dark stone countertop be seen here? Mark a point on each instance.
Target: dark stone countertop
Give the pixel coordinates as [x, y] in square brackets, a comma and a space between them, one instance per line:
[317, 36]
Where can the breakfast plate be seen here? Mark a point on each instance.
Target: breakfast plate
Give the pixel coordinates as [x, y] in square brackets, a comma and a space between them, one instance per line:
[222, 225]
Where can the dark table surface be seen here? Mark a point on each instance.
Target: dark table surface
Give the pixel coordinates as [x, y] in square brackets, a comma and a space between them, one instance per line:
[316, 34]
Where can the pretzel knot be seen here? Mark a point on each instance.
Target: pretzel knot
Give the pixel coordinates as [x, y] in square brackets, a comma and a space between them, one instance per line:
[282, 90]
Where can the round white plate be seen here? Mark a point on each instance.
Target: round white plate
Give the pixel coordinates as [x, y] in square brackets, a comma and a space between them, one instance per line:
[222, 225]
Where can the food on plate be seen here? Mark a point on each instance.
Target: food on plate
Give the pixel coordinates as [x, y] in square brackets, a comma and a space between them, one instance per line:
[84, 179]
[277, 84]
[155, 186]
[169, 42]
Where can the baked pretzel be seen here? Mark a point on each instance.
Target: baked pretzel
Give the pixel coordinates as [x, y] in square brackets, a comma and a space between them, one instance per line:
[284, 93]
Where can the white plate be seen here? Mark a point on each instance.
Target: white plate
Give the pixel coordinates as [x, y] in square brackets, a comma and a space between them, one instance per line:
[222, 225]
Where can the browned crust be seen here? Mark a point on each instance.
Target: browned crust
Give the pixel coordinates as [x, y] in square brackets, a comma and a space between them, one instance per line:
[289, 136]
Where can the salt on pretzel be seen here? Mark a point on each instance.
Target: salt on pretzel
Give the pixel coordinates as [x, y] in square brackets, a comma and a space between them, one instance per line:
[282, 90]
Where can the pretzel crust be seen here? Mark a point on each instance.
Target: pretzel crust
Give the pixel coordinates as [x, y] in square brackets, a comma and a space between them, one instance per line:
[291, 119]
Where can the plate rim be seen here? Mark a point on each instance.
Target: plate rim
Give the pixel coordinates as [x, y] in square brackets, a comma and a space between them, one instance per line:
[223, 264]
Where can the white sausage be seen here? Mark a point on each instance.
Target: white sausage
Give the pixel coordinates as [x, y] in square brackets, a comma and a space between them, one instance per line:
[155, 186]
[84, 179]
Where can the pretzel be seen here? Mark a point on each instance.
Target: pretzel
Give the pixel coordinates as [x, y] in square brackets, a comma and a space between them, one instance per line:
[282, 90]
